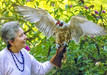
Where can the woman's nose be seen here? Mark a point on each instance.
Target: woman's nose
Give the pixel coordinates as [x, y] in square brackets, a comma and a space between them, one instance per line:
[25, 37]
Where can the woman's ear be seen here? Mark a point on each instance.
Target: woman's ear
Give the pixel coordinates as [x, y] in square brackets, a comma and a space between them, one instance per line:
[11, 42]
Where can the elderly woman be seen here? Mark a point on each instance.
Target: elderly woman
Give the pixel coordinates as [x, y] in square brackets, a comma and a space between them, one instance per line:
[15, 60]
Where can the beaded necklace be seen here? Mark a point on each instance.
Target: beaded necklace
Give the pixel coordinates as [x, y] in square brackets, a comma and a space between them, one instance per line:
[22, 63]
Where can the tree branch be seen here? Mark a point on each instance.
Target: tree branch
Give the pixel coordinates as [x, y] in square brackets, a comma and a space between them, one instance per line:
[49, 51]
[92, 58]
[105, 73]
[6, 18]
[30, 38]
[98, 50]
[28, 30]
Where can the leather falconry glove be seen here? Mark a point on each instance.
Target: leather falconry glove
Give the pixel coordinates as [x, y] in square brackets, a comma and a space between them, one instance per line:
[57, 58]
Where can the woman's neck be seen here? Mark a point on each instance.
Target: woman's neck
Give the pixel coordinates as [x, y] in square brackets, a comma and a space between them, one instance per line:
[15, 50]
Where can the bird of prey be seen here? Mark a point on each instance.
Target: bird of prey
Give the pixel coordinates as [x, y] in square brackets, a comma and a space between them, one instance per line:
[62, 32]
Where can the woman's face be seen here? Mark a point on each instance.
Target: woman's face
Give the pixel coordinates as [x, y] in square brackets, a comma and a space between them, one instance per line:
[20, 39]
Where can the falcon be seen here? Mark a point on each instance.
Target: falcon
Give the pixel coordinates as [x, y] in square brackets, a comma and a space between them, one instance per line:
[62, 32]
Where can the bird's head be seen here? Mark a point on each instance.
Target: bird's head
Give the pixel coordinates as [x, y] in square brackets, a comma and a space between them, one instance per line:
[59, 23]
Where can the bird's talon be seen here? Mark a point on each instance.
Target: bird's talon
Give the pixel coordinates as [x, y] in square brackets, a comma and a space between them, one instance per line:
[65, 44]
[57, 46]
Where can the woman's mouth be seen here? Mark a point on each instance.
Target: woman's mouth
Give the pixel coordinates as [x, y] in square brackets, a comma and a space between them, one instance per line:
[24, 42]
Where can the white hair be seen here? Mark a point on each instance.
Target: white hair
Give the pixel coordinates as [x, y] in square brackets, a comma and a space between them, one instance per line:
[9, 31]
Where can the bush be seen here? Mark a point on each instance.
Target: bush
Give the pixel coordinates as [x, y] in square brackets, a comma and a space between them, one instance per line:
[89, 57]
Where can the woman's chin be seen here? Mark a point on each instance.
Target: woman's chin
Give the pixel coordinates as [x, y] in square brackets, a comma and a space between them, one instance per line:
[24, 46]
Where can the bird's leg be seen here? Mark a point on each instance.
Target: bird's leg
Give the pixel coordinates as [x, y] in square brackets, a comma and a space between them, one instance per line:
[68, 41]
[65, 44]
[57, 46]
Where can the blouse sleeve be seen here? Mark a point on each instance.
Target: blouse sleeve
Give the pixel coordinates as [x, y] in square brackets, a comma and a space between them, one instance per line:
[38, 68]
[1, 65]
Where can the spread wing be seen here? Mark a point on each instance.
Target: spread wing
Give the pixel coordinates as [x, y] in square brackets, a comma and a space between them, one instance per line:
[80, 26]
[42, 19]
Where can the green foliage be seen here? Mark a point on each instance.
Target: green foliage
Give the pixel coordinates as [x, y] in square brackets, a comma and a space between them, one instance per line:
[82, 58]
